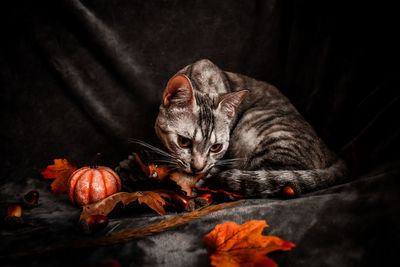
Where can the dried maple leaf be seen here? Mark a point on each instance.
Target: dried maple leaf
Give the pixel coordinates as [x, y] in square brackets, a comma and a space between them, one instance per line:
[243, 245]
[154, 199]
[60, 171]
[186, 181]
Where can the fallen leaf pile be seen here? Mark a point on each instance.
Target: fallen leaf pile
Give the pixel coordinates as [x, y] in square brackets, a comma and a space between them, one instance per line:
[60, 171]
[243, 245]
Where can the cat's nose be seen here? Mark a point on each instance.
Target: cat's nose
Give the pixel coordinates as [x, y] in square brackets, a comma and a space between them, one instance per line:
[197, 164]
[196, 169]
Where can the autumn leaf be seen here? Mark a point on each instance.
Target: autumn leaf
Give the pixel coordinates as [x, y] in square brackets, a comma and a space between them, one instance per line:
[60, 171]
[186, 181]
[159, 173]
[154, 199]
[243, 245]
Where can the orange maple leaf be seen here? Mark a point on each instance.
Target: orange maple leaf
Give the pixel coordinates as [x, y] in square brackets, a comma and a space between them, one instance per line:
[243, 245]
[60, 171]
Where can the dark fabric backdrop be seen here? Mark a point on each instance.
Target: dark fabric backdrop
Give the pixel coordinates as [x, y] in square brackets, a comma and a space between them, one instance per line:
[80, 77]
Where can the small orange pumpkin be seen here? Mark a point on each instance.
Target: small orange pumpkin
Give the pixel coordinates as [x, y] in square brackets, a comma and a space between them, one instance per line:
[92, 183]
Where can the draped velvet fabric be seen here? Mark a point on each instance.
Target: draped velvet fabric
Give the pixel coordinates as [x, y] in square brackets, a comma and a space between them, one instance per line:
[81, 77]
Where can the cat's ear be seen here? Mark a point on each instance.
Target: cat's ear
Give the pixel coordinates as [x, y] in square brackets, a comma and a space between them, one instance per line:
[179, 92]
[229, 102]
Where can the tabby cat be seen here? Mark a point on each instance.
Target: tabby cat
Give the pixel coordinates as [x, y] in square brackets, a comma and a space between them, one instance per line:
[244, 133]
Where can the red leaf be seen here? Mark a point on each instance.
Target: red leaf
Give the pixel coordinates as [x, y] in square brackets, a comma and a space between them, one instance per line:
[239, 245]
[220, 194]
[60, 171]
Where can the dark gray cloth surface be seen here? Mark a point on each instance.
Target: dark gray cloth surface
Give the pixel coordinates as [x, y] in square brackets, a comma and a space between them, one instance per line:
[353, 224]
[81, 77]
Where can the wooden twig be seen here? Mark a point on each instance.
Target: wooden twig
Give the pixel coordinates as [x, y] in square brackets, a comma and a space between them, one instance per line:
[126, 235]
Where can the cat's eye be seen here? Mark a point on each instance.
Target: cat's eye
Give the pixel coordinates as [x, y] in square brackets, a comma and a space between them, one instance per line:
[216, 148]
[184, 142]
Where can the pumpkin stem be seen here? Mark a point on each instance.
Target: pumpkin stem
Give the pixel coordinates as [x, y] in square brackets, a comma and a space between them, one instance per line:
[94, 161]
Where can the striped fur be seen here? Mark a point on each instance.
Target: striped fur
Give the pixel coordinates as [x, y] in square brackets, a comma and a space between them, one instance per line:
[266, 143]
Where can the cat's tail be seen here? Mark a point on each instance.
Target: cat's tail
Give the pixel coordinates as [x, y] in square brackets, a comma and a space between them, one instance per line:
[266, 183]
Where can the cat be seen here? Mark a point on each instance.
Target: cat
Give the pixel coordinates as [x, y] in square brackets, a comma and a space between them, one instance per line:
[243, 133]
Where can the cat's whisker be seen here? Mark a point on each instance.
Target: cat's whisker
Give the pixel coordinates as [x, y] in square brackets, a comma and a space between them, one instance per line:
[227, 162]
[230, 161]
[174, 168]
[152, 148]
[222, 164]
[164, 161]
[177, 160]
[180, 164]
[233, 159]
